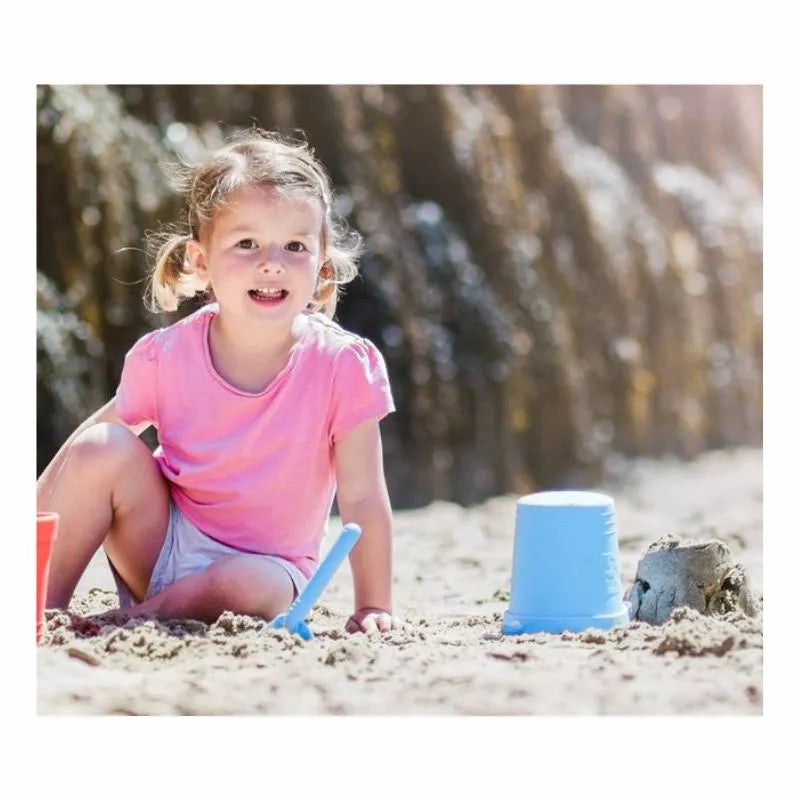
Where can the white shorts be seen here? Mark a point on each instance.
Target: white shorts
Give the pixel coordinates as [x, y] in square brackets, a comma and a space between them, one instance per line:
[187, 550]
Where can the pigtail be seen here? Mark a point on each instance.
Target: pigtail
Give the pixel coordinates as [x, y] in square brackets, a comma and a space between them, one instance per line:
[328, 307]
[170, 281]
[343, 246]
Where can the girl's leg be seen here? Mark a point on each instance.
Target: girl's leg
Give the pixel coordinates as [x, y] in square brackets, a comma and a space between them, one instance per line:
[109, 491]
[244, 584]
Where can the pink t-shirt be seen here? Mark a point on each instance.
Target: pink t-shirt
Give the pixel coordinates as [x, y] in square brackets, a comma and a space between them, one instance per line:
[254, 471]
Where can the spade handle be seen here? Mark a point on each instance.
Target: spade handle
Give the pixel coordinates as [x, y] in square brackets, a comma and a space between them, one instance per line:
[319, 580]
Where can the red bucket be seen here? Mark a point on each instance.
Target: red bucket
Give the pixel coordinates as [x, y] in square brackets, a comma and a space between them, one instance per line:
[46, 530]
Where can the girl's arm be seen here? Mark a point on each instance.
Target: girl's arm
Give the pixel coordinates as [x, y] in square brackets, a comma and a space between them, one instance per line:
[362, 498]
[46, 481]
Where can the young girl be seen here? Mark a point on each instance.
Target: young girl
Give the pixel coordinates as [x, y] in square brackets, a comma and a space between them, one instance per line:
[264, 409]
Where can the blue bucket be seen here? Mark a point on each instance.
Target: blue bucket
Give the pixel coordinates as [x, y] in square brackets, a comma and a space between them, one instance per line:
[566, 564]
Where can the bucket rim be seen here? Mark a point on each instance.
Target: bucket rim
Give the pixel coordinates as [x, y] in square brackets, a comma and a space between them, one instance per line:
[567, 497]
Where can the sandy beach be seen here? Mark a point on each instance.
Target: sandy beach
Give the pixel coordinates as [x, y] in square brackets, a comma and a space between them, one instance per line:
[452, 579]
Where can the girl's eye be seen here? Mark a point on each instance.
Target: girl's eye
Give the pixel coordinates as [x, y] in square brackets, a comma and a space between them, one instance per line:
[296, 247]
[247, 244]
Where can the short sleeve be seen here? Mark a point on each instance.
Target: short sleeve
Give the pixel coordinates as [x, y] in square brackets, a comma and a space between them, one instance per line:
[137, 393]
[360, 388]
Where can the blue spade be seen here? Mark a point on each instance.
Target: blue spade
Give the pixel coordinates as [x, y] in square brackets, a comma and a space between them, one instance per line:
[294, 620]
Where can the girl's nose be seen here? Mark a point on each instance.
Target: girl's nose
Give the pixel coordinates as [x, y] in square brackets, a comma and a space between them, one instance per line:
[271, 259]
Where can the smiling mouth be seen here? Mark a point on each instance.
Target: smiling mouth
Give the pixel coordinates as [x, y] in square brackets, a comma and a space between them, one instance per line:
[268, 296]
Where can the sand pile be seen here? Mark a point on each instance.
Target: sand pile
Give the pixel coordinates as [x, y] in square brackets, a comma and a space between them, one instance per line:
[453, 568]
[702, 575]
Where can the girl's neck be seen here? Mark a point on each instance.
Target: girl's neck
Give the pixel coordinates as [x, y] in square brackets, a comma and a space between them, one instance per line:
[248, 359]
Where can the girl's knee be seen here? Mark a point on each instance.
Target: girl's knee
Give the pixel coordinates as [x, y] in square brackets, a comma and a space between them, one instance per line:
[105, 444]
[252, 586]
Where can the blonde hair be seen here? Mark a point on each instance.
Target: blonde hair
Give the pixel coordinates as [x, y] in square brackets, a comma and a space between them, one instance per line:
[255, 157]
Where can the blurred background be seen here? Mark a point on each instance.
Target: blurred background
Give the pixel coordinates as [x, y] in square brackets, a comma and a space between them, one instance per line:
[556, 275]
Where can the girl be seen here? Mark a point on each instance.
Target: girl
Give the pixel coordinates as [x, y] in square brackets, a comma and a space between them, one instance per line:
[264, 409]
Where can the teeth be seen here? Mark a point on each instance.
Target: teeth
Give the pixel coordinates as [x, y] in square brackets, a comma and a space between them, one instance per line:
[269, 292]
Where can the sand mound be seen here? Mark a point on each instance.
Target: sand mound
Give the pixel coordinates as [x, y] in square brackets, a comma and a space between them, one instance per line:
[700, 575]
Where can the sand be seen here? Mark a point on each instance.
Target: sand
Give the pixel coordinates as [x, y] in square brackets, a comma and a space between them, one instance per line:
[452, 579]
[675, 573]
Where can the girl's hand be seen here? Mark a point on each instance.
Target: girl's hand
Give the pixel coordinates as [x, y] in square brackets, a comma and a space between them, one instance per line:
[371, 620]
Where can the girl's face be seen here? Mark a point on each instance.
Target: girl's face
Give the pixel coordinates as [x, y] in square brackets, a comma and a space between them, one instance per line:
[261, 254]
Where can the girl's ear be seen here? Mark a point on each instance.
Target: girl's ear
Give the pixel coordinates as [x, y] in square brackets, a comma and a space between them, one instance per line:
[325, 274]
[325, 288]
[196, 259]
